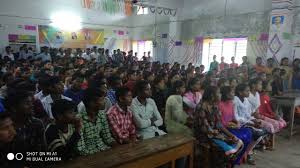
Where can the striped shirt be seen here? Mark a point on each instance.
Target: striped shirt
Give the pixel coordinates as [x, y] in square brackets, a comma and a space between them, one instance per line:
[121, 123]
[96, 136]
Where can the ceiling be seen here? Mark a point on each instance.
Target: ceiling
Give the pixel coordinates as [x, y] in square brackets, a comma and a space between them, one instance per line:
[187, 9]
[194, 8]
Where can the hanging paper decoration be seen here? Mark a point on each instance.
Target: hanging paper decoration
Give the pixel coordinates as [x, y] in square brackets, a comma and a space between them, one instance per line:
[29, 27]
[264, 37]
[253, 37]
[178, 43]
[164, 36]
[109, 6]
[120, 32]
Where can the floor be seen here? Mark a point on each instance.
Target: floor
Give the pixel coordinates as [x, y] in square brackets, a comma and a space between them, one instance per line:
[285, 155]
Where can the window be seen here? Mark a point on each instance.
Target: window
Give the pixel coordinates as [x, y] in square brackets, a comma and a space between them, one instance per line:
[227, 48]
[142, 10]
[142, 46]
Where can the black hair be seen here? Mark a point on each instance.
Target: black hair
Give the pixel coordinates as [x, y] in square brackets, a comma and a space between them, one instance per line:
[222, 81]
[254, 81]
[191, 83]
[209, 94]
[225, 90]
[147, 74]
[158, 79]
[44, 80]
[59, 107]
[53, 80]
[121, 92]
[91, 94]
[6, 76]
[284, 58]
[231, 79]
[240, 88]
[112, 80]
[140, 87]
[265, 85]
[258, 58]
[15, 97]
[177, 84]
[22, 85]
[276, 70]
[131, 72]
[4, 116]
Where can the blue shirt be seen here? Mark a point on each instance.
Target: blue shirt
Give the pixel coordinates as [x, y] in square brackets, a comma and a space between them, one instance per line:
[111, 94]
[75, 96]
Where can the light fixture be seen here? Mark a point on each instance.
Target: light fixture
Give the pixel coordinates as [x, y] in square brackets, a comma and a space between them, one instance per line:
[66, 21]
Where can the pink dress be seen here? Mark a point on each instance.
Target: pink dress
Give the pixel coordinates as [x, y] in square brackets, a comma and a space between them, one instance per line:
[269, 116]
[191, 100]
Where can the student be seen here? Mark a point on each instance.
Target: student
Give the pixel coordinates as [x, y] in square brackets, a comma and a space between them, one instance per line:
[9, 142]
[233, 83]
[266, 111]
[223, 82]
[278, 83]
[214, 65]
[244, 115]
[114, 82]
[63, 135]
[223, 64]
[193, 96]
[74, 91]
[95, 132]
[174, 76]
[6, 79]
[159, 93]
[259, 67]
[270, 65]
[226, 108]
[285, 65]
[233, 64]
[131, 79]
[30, 129]
[87, 54]
[44, 55]
[120, 117]
[254, 100]
[209, 128]
[100, 84]
[145, 113]
[55, 93]
[8, 54]
[176, 120]
[294, 81]
[149, 76]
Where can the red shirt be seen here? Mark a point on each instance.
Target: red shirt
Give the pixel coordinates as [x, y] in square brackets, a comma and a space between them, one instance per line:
[234, 65]
[121, 123]
[130, 85]
[265, 108]
[222, 66]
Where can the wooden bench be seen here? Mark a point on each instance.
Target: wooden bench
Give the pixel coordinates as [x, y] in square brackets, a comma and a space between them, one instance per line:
[149, 153]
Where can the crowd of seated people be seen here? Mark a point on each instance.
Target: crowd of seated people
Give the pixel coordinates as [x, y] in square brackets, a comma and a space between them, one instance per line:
[83, 102]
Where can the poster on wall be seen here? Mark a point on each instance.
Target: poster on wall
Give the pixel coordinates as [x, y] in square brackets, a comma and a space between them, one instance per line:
[16, 38]
[53, 37]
